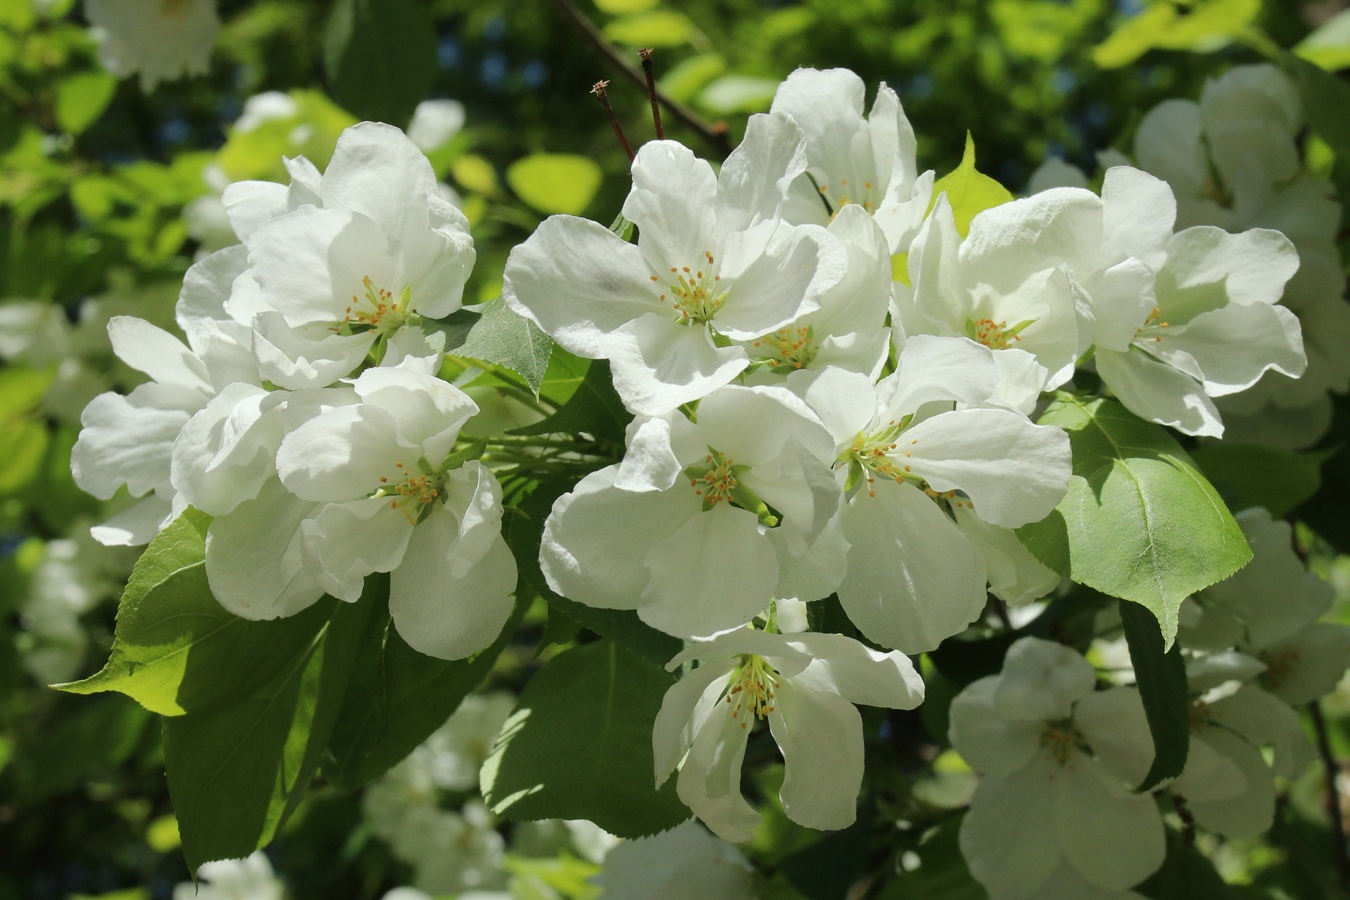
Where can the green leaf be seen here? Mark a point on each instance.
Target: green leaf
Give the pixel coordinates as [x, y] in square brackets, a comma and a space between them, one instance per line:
[619, 7]
[380, 57]
[81, 99]
[689, 76]
[968, 191]
[475, 174]
[579, 745]
[1139, 521]
[1325, 99]
[1329, 46]
[1161, 675]
[732, 94]
[175, 649]
[594, 409]
[503, 338]
[1202, 26]
[522, 528]
[658, 28]
[1186, 874]
[555, 182]
[236, 774]
[1248, 475]
[397, 699]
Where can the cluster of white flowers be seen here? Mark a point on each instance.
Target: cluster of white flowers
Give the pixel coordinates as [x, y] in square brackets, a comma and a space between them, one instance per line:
[1055, 747]
[161, 40]
[790, 443]
[305, 414]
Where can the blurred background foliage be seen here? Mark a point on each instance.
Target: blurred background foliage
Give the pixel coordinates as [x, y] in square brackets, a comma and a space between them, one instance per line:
[95, 178]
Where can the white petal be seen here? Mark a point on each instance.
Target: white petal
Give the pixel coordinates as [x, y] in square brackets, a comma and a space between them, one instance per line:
[474, 496]
[1041, 680]
[659, 365]
[1159, 393]
[1015, 576]
[710, 780]
[439, 613]
[992, 743]
[152, 350]
[345, 542]
[1236, 345]
[136, 525]
[755, 178]
[1251, 267]
[1317, 659]
[296, 362]
[1253, 810]
[1115, 726]
[913, 578]
[226, 451]
[649, 462]
[1138, 214]
[941, 369]
[1014, 471]
[251, 203]
[859, 674]
[206, 286]
[771, 283]
[685, 706]
[381, 174]
[672, 203]
[342, 454]
[716, 572]
[129, 440]
[819, 571]
[1113, 838]
[820, 734]
[1003, 853]
[253, 556]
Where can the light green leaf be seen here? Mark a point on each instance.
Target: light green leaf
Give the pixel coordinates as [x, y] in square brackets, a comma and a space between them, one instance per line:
[658, 28]
[503, 338]
[738, 94]
[555, 182]
[1139, 521]
[175, 649]
[397, 698]
[1202, 26]
[474, 173]
[620, 7]
[579, 745]
[237, 773]
[1329, 45]
[380, 57]
[81, 99]
[968, 191]
[689, 76]
[1250, 475]
[1161, 676]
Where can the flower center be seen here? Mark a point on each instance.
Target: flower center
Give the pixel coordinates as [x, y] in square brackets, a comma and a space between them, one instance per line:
[412, 492]
[715, 481]
[789, 347]
[994, 335]
[375, 310]
[694, 293]
[751, 687]
[1061, 741]
[1280, 664]
[879, 454]
[845, 194]
[1152, 328]
[1201, 716]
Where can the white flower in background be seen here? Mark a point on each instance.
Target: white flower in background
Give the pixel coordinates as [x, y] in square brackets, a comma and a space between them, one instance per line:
[233, 879]
[685, 861]
[851, 160]
[1268, 610]
[162, 40]
[435, 123]
[455, 752]
[806, 685]
[373, 486]
[128, 441]
[713, 262]
[551, 837]
[452, 852]
[347, 260]
[1057, 758]
[703, 559]
[913, 575]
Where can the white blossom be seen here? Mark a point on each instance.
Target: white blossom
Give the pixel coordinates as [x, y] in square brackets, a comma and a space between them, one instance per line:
[161, 40]
[685, 861]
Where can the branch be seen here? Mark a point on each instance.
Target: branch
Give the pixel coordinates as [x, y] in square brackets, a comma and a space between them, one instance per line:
[716, 135]
[1333, 799]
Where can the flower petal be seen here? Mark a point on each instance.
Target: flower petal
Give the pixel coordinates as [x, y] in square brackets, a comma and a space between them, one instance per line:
[992, 743]
[710, 780]
[685, 707]
[820, 734]
[1159, 393]
[1113, 838]
[345, 542]
[859, 674]
[1006, 856]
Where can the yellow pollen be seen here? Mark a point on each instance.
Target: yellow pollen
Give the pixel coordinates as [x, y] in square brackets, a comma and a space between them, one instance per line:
[751, 688]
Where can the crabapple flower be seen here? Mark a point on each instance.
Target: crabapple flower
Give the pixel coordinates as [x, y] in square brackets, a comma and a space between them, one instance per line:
[1057, 753]
[685, 861]
[721, 501]
[713, 264]
[160, 40]
[918, 446]
[250, 878]
[333, 281]
[373, 486]
[851, 160]
[806, 685]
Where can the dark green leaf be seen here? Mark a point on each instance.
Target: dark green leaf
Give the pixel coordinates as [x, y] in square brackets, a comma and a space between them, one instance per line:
[594, 409]
[1325, 100]
[504, 338]
[829, 867]
[175, 649]
[380, 57]
[1161, 676]
[1186, 874]
[237, 773]
[1139, 521]
[1285, 478]
[397, 698]
[579, 745]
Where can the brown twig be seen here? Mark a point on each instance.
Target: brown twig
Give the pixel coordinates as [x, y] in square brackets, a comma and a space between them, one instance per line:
[716, 135]
[601, 90]
[645, 54]
[1333, 800]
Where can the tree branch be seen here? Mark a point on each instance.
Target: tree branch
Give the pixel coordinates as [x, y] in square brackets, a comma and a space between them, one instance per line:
[1333, 799]
[715, 135]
